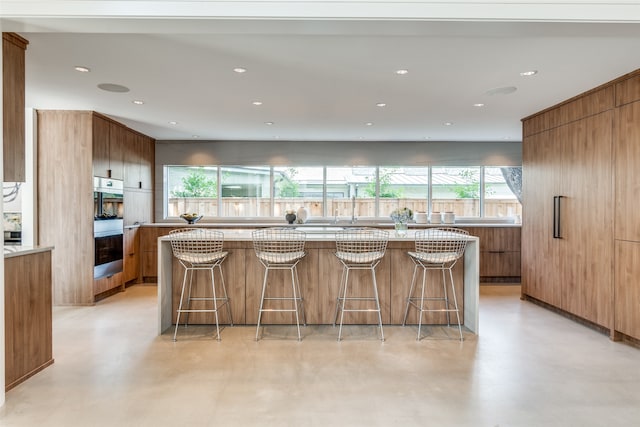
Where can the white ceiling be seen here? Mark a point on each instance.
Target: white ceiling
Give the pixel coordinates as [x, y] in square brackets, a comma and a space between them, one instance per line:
[321, 79]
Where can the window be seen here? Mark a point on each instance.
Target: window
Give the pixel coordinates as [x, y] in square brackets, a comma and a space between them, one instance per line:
[294, 187]
[342, 192]
[351, 191]
[402, 187]
[192, 189]
[456, 190]
[246, 191]
[499, 197]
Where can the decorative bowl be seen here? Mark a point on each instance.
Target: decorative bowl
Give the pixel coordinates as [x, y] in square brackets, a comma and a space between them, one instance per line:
[191, 218]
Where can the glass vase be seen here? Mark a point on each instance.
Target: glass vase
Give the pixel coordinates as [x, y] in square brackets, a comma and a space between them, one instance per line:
[401, 229]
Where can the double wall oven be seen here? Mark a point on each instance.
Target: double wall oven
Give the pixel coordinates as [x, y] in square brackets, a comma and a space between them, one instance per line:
[108, 226]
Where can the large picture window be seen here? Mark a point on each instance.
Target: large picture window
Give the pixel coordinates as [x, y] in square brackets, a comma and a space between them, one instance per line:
[341, 193]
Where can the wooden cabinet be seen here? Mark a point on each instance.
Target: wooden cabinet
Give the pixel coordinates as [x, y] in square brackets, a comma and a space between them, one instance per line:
[499, 252]
[131, 254]
[567, 177]
[139, 159]
[13, 106]
[27, 316]
[149, 251]
[627, 179]
[627, 288]
[87, 141]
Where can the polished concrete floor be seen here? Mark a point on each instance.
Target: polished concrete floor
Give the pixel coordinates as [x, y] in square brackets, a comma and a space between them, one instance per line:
[528, 367]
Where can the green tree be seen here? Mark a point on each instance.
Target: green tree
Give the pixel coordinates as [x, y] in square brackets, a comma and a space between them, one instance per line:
[285, 184]
[386, 190]
[467, 191]
[197, 184]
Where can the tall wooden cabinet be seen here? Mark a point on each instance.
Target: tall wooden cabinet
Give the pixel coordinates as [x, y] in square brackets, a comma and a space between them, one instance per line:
[74, 146]
[581, 230]
[13, 104]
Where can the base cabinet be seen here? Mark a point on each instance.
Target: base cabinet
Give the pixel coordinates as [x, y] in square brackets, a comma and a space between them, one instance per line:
[499, 252]
[27, 316]
[131, 254]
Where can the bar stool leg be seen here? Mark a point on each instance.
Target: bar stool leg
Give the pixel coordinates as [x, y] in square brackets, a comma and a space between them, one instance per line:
[413, 280]
[184, 283]
[446, 298]
[264, 287]
[190, 272]
[304, 317]
[295, 301]
[215, 304]
[226, 297]
[422, 299]
[344, 297]
[375, 292]
[340, 290]
[455, 302]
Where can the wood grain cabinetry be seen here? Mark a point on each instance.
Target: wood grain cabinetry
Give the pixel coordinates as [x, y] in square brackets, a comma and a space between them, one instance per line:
[149, 251]
[131, 254]
[139, 159]
[73, 147]
[13, 106]
[27, 316]
[499, 252]
[569, 265]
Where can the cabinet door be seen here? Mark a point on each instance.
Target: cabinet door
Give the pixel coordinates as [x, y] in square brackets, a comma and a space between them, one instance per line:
[131, 155]
[587, 218]
[147, 160]
[627, 288]
[13, 104]
[117, 140]
[627, 178]
[100, 147]
[131, 254]
[540, 183]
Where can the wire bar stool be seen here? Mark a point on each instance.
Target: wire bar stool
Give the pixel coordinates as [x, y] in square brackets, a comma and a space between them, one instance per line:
[436, 249]
[280, 249]
[200, 249]
[359, 249]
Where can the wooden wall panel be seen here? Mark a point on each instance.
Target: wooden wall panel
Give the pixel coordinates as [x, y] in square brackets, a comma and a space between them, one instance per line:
[587, 219]
[65, 202]
[585, 105]
[27, 317]
[13, 105]
[628, 90]
[627, 288]
[627, 178]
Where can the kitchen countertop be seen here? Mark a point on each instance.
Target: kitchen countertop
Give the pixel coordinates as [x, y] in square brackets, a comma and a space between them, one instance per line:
[18, 250]
[323, 224]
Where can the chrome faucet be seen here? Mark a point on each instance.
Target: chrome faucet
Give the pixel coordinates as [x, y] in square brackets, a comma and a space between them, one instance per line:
[353, 210]
[335, 217]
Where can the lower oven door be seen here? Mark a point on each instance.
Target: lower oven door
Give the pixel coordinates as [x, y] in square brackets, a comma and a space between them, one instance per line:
[108, 255]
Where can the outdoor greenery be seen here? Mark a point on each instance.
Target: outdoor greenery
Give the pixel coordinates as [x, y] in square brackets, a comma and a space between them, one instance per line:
[386, 190]
[285, 184]
[467, 191]
[197, 184]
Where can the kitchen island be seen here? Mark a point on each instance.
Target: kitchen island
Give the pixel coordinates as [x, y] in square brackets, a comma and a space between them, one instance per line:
[319, 275]
[28, 312]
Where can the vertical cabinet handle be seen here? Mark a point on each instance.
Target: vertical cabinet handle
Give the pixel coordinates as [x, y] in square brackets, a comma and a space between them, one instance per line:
[556, 217]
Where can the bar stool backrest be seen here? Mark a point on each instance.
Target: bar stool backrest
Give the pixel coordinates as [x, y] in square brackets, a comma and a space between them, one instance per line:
[361, 245]
[441, 245]
[196, 245]
[279, 245]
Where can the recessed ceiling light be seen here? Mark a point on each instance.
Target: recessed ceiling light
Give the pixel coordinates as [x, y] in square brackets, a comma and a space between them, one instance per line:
[173, 122]
[507, 137]
[427, 137]
[478, 105]
[82, 69]
[111, 87]
[402, 71]
[138, 101]
[257, 102]
[448, 123]
[195, 136]
[529, 73]
[369, 124]
[240, 70]
[381, 104]
[268, 123]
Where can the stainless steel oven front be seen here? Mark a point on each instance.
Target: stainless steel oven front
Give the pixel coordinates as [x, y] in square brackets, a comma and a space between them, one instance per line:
[108, 244]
